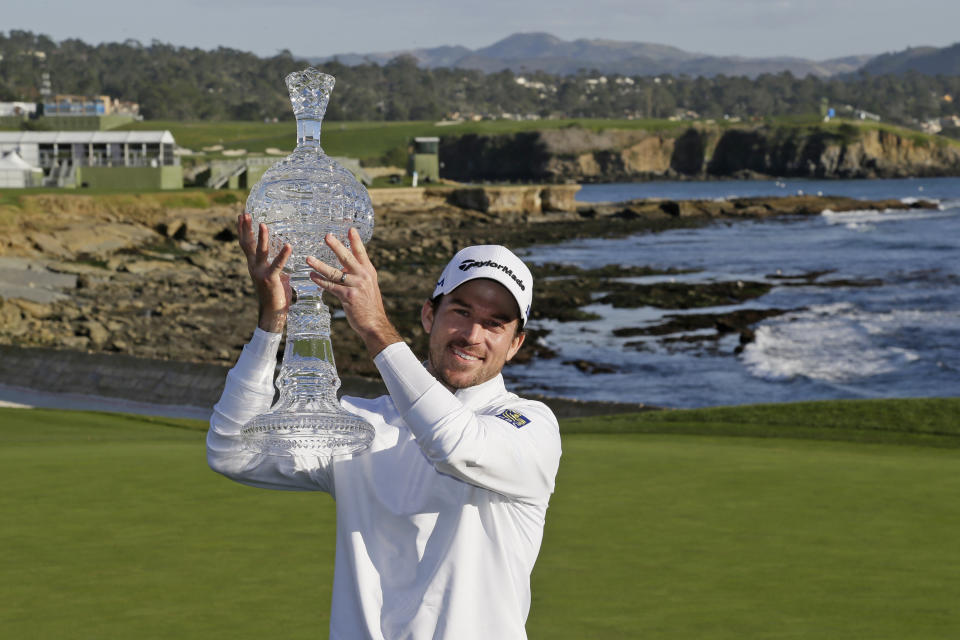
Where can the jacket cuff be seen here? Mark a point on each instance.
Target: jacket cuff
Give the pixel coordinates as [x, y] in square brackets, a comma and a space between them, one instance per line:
[259, 359]
[404, 375]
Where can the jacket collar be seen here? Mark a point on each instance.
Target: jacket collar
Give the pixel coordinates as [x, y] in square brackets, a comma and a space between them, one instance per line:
[482, 394]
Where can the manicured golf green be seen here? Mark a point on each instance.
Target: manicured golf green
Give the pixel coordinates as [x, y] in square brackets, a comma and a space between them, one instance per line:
[112, 526]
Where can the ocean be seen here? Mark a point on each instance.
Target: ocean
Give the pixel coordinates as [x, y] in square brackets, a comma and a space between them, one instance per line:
[892, 331]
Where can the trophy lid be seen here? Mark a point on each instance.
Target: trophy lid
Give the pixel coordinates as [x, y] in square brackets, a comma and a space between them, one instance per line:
[309, 92]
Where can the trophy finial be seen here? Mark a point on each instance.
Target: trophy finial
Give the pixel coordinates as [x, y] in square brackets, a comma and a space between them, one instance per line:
[309, 92]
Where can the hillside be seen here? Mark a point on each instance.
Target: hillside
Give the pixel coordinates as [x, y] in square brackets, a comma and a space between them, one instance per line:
[925, 60]
[527, 52]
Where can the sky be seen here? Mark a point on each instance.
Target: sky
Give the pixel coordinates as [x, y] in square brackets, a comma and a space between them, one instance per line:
[813, 29]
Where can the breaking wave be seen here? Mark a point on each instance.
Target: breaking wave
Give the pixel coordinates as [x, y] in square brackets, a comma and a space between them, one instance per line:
[867, 219]
[839, 343]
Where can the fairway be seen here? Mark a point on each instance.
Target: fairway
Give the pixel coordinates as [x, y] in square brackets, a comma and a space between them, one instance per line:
[112, 526]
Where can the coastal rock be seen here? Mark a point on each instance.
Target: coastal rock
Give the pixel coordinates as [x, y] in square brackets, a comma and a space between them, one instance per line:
[683, 208]
[559, 198]
[591, 367]
[690, 152]
[49, 245]
[498, 200]
[98, 334]
[649, 156]
[10, 314]
[140, 267]
[757, 151]
[101, 239]
[33, 309]
[176, 229]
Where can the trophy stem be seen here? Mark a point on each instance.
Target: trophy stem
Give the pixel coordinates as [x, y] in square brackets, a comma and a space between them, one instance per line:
[308, 375]
[308, 132]
[307, 416]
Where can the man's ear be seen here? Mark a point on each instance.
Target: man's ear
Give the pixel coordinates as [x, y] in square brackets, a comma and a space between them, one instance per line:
[426, 316]
[515, 345]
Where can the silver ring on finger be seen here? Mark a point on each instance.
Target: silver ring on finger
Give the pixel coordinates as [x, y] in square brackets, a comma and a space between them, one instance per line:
[343, 277]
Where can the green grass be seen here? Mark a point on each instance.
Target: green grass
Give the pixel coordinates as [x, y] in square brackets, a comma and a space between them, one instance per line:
[370, 140]
[918, 421]
[677, 537]
[112, 526]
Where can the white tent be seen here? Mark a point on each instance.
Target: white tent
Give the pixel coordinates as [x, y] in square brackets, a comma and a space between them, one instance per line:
[17, 173]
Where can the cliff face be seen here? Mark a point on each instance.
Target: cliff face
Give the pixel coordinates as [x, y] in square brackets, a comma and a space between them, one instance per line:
[699, 152]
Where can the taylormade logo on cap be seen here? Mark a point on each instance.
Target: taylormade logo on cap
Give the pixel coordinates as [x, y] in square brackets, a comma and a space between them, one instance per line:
[494, 262]
[470, 264]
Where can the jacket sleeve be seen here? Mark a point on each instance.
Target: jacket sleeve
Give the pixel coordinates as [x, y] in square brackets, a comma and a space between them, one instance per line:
[515, 457]
[249, 392]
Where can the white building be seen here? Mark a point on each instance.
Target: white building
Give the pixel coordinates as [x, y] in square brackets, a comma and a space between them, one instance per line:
[15, 173]
[91, 148]
[62, 154]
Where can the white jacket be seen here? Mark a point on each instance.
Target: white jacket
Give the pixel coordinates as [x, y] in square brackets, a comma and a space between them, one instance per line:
[439, 522]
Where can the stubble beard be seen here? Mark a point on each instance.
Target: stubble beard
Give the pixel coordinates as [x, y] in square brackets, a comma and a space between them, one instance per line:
[434, 360]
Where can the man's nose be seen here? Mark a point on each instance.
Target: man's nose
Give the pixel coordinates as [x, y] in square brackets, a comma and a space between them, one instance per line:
[473, 332]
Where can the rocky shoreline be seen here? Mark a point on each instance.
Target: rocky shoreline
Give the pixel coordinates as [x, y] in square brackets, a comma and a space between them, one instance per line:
[697, 152]
[159, 280]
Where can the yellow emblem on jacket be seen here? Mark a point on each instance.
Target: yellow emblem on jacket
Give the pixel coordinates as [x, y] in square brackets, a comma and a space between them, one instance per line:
[513, 417]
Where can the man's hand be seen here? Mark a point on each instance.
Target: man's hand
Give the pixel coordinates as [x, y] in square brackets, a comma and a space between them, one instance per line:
[273, 286]
[357, 290]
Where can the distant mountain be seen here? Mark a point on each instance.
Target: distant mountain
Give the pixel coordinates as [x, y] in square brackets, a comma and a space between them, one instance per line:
[927, 60]
[524, 52]
[445, 56]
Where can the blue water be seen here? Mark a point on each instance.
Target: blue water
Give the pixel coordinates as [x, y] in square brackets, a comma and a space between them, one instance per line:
[937, 188]
[898, 339]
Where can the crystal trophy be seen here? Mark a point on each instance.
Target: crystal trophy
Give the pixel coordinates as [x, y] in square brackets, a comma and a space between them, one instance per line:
[301, 199]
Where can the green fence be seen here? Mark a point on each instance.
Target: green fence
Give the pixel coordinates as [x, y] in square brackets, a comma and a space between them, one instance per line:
[131, 178]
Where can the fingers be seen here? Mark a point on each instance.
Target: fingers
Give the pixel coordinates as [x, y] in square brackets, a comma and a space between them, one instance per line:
[263, 242]
[245, 233]
[342, 292]
[323, 269]
[356, 244]
[348, 259]
[327, 283]
[340, 250]
[281, 260]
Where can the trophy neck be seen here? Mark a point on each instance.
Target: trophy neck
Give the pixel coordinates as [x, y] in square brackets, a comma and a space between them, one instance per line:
[308, 132]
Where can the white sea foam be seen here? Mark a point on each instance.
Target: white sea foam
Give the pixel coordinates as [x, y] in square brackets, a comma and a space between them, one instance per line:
[837, 343]
[912, 200]
[856, 219]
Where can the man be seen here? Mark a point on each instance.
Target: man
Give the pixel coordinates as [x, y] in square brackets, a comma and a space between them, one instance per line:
[440, 522]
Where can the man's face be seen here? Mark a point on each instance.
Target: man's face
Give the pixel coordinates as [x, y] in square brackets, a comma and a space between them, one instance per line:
[473, 333]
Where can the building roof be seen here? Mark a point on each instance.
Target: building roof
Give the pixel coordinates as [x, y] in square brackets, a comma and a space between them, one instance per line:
[86, 137]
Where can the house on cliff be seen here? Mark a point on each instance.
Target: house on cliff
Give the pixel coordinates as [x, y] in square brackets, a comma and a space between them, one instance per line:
[105, 159]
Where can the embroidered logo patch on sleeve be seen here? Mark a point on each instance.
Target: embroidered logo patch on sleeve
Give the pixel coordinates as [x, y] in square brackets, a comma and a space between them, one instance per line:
[513, 417]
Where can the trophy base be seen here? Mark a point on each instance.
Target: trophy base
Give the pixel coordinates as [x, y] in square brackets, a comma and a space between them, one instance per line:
[307, 432]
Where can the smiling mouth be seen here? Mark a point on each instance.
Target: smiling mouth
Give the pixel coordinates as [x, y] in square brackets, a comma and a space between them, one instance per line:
[463, 354]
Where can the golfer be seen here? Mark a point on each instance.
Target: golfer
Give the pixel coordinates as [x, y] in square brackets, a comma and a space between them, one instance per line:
[439, 523]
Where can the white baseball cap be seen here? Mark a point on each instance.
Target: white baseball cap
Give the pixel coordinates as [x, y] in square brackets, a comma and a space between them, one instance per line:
[494, 262]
